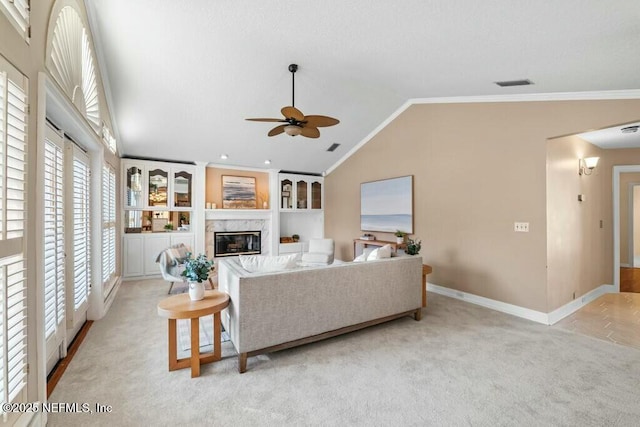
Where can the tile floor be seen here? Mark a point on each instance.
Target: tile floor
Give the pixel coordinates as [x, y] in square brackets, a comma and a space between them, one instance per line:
[612, 317]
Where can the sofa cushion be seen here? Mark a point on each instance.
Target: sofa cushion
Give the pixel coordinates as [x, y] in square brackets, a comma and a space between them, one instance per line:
[317, 258]
[265, 263]
[380, 253]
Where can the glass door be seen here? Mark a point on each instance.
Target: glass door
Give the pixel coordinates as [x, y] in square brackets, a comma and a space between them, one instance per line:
[158, 192]
[286, 194]
[133, 189]
[301, 194]
[316, 195]
[182, 189]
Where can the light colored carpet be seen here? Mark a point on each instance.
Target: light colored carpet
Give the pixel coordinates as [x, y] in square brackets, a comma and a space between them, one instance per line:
[206, 334]
[461, 365]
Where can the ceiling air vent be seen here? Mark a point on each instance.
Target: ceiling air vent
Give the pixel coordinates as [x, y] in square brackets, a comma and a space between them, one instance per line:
[508, 83]
[333, 147]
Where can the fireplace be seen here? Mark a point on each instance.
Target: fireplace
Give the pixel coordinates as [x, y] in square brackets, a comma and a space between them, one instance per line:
[233, 243]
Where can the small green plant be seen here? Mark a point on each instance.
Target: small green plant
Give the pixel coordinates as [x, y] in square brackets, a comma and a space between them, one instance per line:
[295, 237]
[168, 226]
[197, 269]
[399, 233]
[414, 246]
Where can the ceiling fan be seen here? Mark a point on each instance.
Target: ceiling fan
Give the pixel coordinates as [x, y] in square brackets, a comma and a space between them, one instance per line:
[297, 123]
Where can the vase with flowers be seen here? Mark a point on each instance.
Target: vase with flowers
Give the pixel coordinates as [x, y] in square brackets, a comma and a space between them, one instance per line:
[197, 270]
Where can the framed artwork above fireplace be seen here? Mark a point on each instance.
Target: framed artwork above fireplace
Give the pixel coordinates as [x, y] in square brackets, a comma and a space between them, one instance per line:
[238, 192]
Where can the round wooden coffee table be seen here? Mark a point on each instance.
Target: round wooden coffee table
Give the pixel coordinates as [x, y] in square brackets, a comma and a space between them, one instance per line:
[181, 307]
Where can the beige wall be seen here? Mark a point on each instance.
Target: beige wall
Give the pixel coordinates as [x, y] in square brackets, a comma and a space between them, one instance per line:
[477, 168]
[213, 189]
[625, 180]
[576, 245]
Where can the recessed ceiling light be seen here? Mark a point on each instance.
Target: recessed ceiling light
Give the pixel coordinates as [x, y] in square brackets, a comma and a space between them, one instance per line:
[224, 156]
[630, 129]
[267, 162]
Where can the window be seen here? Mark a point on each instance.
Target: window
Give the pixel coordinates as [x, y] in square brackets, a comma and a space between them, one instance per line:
[54, 241]
[72, 66]
[81, 230]
[108, 227]
[17, 12]
[13, 290]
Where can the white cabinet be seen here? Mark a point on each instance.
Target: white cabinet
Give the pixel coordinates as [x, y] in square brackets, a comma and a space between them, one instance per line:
[133, 248]
[301, 192]
[293, 248]
[140, 251]
[301, 210]
[156, 186]
[153, 245]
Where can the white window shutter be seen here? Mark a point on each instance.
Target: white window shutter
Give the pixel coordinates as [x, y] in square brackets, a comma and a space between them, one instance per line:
[54, 273]
[108, 225]
[13, 291]
[17, 11]
[81, 231]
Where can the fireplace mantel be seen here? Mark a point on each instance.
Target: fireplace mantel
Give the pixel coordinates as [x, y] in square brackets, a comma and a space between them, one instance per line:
[226, 214]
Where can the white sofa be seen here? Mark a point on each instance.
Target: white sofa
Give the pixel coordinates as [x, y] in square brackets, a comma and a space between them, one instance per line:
[273, 311]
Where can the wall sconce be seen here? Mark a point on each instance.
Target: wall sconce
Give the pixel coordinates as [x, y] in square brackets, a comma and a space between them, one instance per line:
[587, 165]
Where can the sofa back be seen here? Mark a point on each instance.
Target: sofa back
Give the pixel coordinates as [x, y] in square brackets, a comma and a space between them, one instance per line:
[275, 308]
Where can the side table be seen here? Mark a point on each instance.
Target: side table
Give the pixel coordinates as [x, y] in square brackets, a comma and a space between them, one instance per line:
[426, 269]
[181, 307]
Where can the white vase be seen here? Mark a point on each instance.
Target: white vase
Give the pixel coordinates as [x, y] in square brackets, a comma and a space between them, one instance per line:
[399, 240]
[196, 291]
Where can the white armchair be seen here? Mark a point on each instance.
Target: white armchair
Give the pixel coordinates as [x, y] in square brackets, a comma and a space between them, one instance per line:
[169, 261]
[321, 251]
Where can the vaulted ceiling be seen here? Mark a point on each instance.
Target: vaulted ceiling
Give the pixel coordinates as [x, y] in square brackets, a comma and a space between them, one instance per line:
[183, 76]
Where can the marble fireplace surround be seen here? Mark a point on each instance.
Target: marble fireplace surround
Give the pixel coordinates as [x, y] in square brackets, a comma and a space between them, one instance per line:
[234, 220]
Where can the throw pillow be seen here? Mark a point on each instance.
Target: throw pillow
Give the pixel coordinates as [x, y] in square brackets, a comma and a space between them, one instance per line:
[360, 258]
[265, 264]
[380, 253]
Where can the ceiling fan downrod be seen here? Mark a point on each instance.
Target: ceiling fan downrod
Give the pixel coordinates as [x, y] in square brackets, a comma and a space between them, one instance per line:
[293, 68]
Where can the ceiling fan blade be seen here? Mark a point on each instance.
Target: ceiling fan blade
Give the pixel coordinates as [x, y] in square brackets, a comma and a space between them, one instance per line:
[320, 121]
[277, 130]
[266, 120]
[292, 113]
[310, 132]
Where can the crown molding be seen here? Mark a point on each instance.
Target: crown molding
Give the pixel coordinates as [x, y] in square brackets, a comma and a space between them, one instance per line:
[525, 97]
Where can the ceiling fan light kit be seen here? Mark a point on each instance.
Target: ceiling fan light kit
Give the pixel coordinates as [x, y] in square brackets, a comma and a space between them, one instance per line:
[292, 130]
[296, 122]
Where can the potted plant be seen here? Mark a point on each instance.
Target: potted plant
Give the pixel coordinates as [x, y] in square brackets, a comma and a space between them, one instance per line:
[197, 270]
[295, 237]
[168, 226]
[414, 246]
[400, 235]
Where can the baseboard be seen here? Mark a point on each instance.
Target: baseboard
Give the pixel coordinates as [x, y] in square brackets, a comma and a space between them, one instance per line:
[515, 310]
[525, 313]
[569, 308]
[626, 265]
[112, 295]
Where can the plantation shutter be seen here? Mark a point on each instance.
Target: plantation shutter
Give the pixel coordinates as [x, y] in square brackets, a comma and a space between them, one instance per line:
[13, 291]
[18, 13]
[108, 225]
[54, 276]
[81, 230]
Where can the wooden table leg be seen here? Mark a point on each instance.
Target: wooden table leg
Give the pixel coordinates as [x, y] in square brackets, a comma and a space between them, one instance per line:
[217, 332]
[173, 346]
[195, 347]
